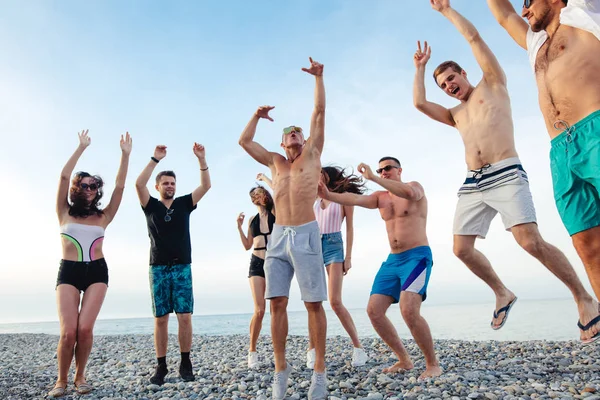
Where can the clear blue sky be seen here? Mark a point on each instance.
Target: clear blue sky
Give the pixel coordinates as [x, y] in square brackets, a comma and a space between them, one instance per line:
[177, 72]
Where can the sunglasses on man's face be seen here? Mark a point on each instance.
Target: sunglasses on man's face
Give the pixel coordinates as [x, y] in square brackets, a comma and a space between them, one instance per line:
[168, 215]
[290, 129]
[387, 168]
[91, 186]
[527, 3]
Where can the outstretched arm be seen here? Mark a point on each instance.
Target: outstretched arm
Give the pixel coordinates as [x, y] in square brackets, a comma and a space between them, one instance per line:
[141, 183]
[62, 201]
[255, 150]
[349, 199]
[200, 191]
[246, 240]
[410, 191]
[492, 71]
[117, 195]
[262, 177]
[317, 121]
[508, 18]
[432, 110]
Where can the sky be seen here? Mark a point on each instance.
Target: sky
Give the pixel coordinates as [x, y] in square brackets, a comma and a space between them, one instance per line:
[175, 73]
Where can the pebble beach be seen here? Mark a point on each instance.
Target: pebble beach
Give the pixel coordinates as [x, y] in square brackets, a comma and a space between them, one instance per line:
[120, 366]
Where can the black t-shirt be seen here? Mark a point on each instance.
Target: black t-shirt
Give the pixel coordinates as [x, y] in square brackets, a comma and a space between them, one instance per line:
[169, 231]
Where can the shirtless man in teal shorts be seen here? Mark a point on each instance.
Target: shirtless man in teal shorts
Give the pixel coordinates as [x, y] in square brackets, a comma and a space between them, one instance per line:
[562, 39]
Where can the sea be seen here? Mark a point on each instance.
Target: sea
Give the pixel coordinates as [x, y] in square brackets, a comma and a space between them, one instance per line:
[552, 320]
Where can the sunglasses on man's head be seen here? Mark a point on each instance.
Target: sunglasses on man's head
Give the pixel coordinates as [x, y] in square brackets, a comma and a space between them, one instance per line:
[168, 215]
[91, 186]
[290, 129]
[387, 168]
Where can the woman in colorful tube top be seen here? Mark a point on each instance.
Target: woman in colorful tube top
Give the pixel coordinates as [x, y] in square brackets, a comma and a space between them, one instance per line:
[82, 268]
[260, 227]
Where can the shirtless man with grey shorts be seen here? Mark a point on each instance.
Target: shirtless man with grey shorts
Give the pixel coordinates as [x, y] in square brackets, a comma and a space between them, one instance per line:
[496, 181]
[295, 245]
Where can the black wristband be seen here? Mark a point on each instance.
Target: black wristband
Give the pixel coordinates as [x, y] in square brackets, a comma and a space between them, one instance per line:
[156, 160]
[203, 169]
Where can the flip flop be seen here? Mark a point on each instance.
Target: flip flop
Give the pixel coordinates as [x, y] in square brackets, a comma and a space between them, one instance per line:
[587, 327]
[83, 388]
[57, 391]
[505, 310]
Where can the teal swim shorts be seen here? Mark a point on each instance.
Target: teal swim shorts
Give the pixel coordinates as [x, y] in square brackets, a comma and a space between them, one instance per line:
[575, 165]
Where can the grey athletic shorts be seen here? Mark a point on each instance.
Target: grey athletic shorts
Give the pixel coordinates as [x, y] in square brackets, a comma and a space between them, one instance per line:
[295, 249]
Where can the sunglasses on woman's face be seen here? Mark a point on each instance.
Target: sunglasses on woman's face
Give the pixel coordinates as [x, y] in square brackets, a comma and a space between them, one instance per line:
[387, 168]
[91, 186]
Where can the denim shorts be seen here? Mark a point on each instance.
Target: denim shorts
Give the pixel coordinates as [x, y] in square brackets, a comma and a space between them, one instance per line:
[333, 248]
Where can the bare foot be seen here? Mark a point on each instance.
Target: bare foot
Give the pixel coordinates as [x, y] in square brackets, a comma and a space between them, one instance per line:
[588, 310]
[502, 301]
[400, 366]
[431, 372]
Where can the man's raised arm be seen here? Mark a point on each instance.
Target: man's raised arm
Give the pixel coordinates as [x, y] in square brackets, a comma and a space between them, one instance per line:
[255, 150]
[317, 121]
[432, 110]
[492, 71]
[508, 18]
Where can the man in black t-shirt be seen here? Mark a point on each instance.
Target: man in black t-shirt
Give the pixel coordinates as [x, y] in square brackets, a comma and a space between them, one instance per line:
[168, 220]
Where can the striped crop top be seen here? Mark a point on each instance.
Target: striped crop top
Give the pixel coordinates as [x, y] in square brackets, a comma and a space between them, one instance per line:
[329, 219]
[84, 237]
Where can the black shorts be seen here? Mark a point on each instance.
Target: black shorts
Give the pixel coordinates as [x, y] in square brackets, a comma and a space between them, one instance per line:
[256, 267]
[82, 274]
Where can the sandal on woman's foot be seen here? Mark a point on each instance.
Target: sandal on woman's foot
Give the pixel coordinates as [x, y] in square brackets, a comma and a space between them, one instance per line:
[57, 391]
[83, 388]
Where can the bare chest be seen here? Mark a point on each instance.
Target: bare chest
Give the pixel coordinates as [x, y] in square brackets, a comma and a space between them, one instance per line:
[396, 207]
[486, 108]
[554, 49]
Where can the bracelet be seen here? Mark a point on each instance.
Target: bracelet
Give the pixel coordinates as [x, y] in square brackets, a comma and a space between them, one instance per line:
[203, 169]
[156, 160]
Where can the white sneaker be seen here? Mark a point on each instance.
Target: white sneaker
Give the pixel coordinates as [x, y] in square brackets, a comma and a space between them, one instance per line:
[310, 358]
[280, 383]
[359, 357]
[318, 386]
[253, 359]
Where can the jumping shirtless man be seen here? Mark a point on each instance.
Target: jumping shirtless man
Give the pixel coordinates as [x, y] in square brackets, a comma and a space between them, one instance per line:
[295, 245]
[496, 181]
[404, 276]
[563, 44]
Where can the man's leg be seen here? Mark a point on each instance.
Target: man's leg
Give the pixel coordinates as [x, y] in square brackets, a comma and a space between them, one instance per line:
[378, 305]
[464, 249]
[529, 238]
[185, 346]
[410, 307]
[317, 330]
[279, 331]
[587, 244]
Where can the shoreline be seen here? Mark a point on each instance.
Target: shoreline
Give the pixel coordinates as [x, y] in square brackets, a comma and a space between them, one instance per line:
[120, 366]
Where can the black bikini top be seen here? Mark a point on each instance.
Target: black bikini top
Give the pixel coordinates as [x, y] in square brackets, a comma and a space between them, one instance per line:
[255, 229]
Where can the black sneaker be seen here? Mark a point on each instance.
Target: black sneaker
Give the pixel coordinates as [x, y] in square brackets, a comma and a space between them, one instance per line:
[186, 372]
[159, 376]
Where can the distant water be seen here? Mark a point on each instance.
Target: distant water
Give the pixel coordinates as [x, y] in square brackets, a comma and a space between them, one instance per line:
[528, 320]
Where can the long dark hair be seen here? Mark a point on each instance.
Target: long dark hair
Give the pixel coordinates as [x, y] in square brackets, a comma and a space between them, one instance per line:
[339, 182]
[270, 202]
[79, 206]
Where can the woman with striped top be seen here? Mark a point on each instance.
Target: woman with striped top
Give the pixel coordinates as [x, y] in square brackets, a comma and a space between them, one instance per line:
[330, 216]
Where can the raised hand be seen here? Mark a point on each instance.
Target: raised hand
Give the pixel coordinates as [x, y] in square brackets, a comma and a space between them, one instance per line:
[84, 139]
[240, 219]
[160, 152]
[366, 171]
[422, 56]
[126, 143]
[263, 112]
[261, 177]
[440, 5]
[315, 69]
[199, 150]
